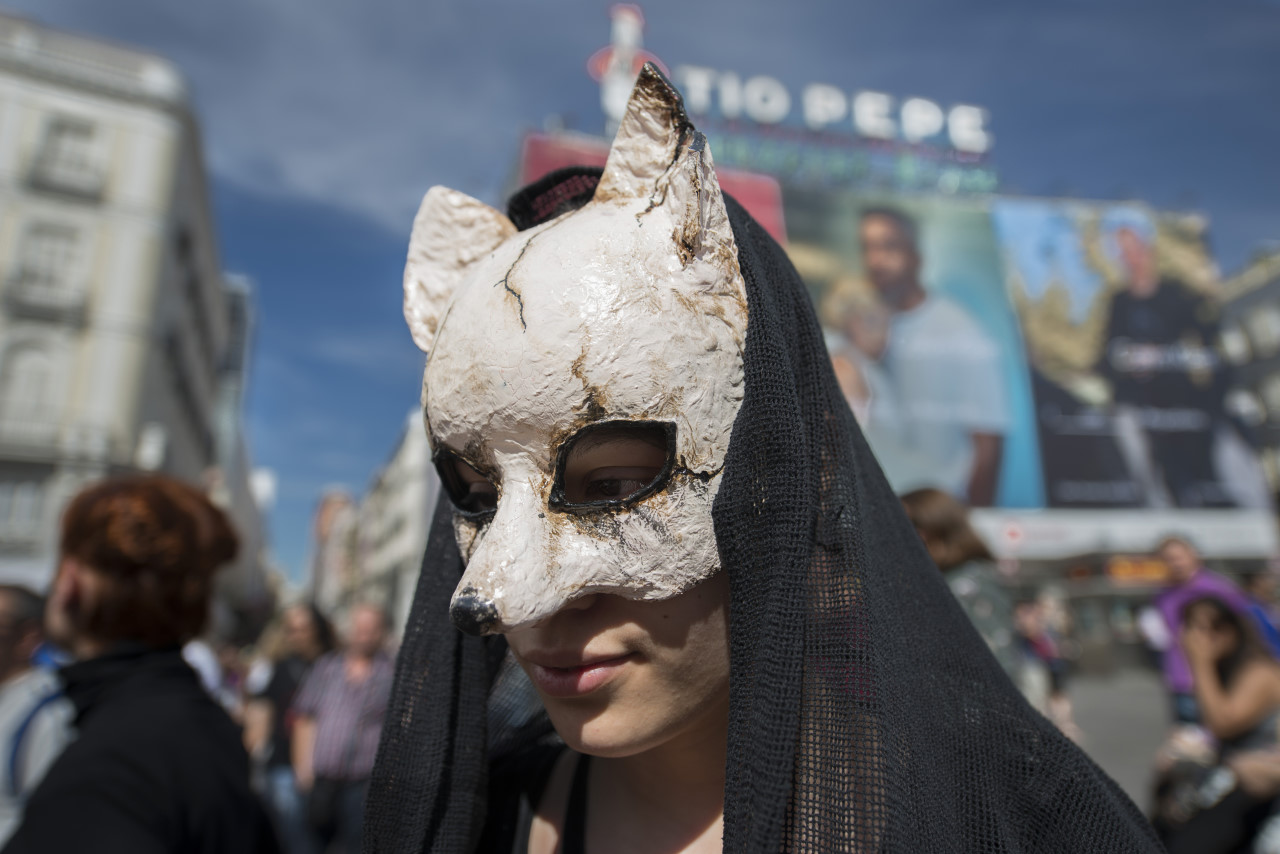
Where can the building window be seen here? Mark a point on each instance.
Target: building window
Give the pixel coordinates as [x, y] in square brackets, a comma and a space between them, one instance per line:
[1264, 329]
[68, 159]
[20, 509]
[26, 384]
[48, 257]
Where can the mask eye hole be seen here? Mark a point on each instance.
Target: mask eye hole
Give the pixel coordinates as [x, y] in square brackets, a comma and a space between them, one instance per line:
[473, 494]
[614, 464]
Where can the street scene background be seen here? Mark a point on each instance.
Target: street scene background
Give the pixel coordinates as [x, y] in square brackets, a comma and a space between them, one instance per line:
[1043, 245]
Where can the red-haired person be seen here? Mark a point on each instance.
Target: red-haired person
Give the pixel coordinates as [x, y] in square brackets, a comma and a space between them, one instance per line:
[157, 765]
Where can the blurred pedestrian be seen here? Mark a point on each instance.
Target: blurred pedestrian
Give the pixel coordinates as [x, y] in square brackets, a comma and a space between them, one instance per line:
[338, 720]
[1044, 665]
[1237, 685]
[157, 766]
[35, 718]
[1189, 580]
[306, 634]
[942, 521]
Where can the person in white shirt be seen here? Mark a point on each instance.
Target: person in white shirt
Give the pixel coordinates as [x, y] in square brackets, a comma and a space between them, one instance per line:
[944, 368]
[35, 719]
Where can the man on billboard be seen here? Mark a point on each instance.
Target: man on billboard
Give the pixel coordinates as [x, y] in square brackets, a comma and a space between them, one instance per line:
[943, 367]
[1166, 379]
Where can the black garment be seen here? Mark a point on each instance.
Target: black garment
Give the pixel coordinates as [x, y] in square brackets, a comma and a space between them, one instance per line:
[575, 813]
[1180, 366]
[1160, 356]
[866, 713]
[157, 768]
[286, 676]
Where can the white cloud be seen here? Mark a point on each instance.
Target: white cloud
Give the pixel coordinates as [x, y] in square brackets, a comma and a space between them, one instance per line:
[357, 105]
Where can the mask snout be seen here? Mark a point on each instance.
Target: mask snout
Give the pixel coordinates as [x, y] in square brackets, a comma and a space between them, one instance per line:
[511, 579]
[473, 614]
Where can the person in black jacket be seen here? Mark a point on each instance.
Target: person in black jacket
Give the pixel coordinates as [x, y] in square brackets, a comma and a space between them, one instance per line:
[157, 766]
[1167, 380]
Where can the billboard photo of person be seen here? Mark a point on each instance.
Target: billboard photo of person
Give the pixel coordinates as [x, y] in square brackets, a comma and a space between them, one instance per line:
[1119, 314]
[1167, 379]
[939, 362]
[923, 341]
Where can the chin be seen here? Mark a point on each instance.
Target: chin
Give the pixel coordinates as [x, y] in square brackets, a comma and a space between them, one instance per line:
[607, 733]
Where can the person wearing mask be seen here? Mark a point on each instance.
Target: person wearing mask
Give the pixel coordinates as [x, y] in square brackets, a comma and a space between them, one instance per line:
[1189, 579]
[157, 766]
[661, 507]
[35, 718]
[337, 722]
[306, 635]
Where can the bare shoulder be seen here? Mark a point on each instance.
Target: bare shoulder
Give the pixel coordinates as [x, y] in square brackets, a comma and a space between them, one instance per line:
[544, 834]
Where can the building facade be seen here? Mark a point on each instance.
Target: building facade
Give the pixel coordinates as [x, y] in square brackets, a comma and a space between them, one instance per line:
[122, 345]
[371, 550]
[394, 520]
[333, 542]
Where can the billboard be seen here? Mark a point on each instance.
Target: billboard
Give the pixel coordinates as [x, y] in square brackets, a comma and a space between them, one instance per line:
[1119, 313]
[925, 345]
[1024, 353]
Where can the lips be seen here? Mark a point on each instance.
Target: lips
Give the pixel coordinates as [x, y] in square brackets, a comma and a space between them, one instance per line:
[573, 676]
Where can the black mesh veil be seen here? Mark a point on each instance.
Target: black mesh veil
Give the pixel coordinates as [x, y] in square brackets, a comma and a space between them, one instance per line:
[866, 714]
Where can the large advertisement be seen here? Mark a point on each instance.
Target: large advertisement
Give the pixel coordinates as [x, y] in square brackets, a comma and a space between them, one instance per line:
[924, 342]
[1119, 314]
[1027, 353]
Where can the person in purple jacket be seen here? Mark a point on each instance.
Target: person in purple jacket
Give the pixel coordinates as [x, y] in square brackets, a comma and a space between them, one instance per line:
[1190, 580]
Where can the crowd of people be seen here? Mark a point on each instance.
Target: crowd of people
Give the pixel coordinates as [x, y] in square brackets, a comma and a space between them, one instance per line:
[1216, 786]
[310, 704]
[123, 728]
[774, 653]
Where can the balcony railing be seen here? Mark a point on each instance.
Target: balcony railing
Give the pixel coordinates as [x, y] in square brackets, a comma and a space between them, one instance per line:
[12, 534]
[44, 436]
[49, 175]
[36, 299]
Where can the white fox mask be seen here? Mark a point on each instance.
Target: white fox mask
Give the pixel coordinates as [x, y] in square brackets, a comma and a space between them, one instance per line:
[630, 309]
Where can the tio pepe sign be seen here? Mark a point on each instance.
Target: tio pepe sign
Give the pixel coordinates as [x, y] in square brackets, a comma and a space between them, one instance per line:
[767, 101]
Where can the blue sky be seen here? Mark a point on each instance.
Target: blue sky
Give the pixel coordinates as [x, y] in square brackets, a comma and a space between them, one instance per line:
[325, 121]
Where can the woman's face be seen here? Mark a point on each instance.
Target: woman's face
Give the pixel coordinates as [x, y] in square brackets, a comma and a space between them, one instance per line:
[621, 676]
[616, 675]
[1221, 637]
[300, 632]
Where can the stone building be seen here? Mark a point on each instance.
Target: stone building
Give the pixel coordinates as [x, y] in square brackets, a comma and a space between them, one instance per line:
[394, 520]
[123, 346]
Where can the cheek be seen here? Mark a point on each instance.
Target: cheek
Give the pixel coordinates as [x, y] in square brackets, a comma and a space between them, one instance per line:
[691, 635]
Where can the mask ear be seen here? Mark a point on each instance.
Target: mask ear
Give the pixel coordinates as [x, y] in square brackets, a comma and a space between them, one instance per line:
[659, 155]
[450, 233]
[647, 141]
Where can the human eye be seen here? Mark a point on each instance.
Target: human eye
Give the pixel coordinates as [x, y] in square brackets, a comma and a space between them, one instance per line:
[612, 464]
[470, 491]
[480, 497]
[615, 484]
